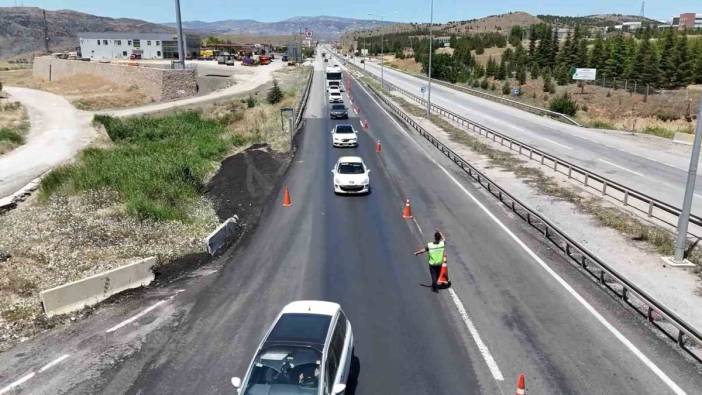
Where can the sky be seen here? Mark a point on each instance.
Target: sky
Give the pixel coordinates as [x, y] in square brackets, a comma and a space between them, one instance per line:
[395, 10]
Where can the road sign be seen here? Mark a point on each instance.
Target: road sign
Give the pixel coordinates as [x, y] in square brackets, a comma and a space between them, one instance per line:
[584, 74]
[423, 89]
[308, 34]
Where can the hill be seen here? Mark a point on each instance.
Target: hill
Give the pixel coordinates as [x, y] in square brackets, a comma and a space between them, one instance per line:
[599, 20]
[323, 27]
[22, 29]
[492, 23]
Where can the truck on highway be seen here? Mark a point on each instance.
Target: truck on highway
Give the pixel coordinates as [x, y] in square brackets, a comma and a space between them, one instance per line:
[333, 73]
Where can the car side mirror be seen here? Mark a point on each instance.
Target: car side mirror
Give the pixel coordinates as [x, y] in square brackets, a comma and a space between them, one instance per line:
[339, 389]
[332, 171]
[369, 170]
[236, 382]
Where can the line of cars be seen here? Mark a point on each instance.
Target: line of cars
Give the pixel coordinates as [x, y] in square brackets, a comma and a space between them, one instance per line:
[350, 174]
[309, 348]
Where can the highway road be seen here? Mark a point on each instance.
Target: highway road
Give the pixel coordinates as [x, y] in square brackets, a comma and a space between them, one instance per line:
[646, 163]
[515, 305]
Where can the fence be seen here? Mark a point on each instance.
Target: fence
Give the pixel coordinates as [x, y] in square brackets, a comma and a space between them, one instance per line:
[629, 197]
[300, 108]
[662, 318]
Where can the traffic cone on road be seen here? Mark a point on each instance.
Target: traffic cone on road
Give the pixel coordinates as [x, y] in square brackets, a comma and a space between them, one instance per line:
[407, 210]
[287, 202]
[521, 385]
[378, 147]
[443, 280]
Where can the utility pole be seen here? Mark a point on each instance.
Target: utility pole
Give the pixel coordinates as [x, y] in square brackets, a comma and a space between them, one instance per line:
[46, 33]
[684, 219]
[382, 56]
[431, 24]
[181, 42]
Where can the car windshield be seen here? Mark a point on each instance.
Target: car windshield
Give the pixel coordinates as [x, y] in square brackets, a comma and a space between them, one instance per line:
[351, 168]
[343, 129]
[338, 107]
[336, 94]
[285, 370]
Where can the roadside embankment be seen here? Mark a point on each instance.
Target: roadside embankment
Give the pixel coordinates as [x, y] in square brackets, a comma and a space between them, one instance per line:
[156, 187]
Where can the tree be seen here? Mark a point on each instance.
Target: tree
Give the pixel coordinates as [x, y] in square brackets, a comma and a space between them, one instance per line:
[614, 65]
[548, 84]
[684, 64]
[532, 42]
[502, 70]
[275, 94]
[521, 75]
[669, 61]
[491, 67]
[562, 74]
[646, 69]
[534, 71]
[598, 56]
[563, 104]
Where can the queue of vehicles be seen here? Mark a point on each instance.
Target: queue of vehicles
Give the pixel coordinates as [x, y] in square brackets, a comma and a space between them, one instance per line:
[309, 347]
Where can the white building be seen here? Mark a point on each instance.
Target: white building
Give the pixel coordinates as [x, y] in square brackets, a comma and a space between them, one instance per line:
[629, 26]
[115, 45]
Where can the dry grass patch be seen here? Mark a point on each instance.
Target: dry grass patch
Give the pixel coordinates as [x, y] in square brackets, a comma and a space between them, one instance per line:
[86, 92]
[14, 125]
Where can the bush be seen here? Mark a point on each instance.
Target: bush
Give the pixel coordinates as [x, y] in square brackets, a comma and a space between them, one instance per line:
[493, 87]
[251, 102]
[275, 94]
[506, 89]
[10, 136]
[484, 83]
[563, 104]
[476, 83]
[548, 84]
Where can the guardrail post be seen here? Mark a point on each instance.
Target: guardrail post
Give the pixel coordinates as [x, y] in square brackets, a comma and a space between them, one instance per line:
[530, 153]
[546, 231]
[602, 276]
[624, 294]
[555, 165]
[586, 178]
[626, 197]
[570, 171]
[604, 188]
[542, 159]
[650, 208]
[649, 314]
[681, 339]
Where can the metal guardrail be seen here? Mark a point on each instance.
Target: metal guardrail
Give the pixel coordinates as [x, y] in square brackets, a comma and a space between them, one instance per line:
[300, 108]
[629, 197]
[658, 315]
[503, 100]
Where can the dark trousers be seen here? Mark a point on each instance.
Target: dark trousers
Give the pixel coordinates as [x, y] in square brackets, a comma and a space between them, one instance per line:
[434, 272]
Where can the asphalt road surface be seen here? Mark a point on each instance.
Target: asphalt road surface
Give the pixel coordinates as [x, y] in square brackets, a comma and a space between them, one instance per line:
[650, 165]
[515, 305]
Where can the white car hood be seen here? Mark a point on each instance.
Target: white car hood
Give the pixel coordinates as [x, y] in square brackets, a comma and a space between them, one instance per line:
[352, 179]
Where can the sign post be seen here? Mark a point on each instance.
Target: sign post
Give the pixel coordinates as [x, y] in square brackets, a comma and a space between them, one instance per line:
[581, 75]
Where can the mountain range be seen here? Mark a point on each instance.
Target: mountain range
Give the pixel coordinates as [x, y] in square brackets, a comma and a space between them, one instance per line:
[322, 27]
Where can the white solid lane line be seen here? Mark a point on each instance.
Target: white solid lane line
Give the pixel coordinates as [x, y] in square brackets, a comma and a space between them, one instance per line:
[484, 351]
[135, 317]
[626, 342]
[17, 383]
[621, 167]
[53, 363]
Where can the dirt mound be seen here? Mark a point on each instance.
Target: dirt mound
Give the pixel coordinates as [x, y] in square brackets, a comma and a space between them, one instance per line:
[244, 181]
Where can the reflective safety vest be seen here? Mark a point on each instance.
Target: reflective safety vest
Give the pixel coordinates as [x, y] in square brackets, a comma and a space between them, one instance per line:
[436, 253]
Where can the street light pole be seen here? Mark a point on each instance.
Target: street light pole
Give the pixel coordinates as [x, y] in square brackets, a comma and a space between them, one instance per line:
[431, 24]
[684, 219]
[181, 43]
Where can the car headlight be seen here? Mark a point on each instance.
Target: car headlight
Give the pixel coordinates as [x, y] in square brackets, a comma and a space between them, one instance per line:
[337, 181]
[365, 181]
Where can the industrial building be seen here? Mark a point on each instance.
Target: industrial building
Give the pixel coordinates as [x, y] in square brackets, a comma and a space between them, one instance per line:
[117, 45]
[688, 20]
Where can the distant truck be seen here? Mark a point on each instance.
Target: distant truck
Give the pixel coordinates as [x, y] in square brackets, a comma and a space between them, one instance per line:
[264, 59]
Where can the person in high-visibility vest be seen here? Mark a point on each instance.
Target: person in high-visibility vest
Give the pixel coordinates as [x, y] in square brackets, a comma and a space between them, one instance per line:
[435, 253]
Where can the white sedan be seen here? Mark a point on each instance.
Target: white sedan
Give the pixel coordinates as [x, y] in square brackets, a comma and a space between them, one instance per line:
[351, 176]
[344, 135]
[335, 97]
[307, 350]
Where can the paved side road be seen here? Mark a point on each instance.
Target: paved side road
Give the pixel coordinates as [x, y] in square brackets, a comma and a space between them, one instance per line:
[649, 164]
[57, 132]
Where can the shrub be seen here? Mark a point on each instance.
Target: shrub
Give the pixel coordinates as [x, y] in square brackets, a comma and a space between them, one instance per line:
[484, 83]
[10, 136]
[506, 89]
[493, 87]
[548, 84]
[251, 102]
[275, 94]
[476, 83]
[563, 104]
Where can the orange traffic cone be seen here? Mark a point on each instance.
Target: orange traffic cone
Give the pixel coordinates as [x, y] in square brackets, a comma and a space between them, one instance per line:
[378, 147]
[521, 385]
[287, 202]
[443, 275]
[407, 210]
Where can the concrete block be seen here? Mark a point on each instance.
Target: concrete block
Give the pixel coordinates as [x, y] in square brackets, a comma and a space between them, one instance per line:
[92, 290]
[683, 138]
[222, 235]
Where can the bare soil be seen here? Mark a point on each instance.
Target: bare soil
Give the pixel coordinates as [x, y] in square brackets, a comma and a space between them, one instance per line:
[86, 92]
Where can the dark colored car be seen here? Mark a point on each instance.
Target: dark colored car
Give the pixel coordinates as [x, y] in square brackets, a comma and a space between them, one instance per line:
[284, 58]
[338, 111]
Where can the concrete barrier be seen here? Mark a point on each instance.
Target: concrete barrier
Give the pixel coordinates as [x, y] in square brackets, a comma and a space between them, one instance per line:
[92, 290]
[683, 138]
[222, 235]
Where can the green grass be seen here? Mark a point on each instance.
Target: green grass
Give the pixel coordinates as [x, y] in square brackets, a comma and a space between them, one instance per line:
[157, 166]
[600, 124]
[659, 131]
[9, 135]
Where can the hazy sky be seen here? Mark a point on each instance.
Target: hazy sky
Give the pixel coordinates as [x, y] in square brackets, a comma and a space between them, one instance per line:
[399, 10]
